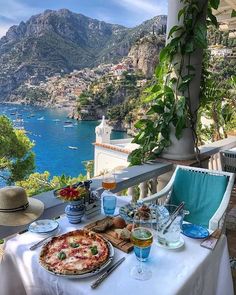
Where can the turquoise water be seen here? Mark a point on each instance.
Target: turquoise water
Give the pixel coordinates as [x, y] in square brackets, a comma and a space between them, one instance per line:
[52, 138]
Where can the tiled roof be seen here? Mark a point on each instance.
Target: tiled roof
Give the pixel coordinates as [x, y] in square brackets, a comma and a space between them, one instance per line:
[113, 147]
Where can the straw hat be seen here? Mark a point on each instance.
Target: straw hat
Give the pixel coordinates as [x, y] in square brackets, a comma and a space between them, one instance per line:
[16, 209]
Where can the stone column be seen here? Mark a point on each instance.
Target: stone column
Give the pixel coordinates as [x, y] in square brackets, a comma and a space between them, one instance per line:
[183, 149]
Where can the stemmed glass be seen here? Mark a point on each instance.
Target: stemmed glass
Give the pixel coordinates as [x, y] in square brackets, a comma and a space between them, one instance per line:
[109, 181]
[142, 238]
[109, 199]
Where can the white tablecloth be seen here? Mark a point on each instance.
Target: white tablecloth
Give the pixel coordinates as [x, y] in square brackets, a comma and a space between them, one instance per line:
[189, 270]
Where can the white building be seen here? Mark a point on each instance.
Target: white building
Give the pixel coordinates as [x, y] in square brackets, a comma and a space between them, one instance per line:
[110, 154]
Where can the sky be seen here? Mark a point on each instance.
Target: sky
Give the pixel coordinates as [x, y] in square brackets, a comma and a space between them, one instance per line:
[124, 12]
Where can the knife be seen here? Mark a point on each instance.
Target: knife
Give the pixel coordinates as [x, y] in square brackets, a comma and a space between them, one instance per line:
[106, 273]
[41, 242]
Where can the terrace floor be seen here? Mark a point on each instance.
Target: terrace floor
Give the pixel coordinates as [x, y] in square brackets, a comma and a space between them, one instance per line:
[231, 233]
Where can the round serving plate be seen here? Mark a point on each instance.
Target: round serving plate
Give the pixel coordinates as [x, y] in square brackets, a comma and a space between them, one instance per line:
[127, 211]
[93, 272]
[43, 226]
[194, 231]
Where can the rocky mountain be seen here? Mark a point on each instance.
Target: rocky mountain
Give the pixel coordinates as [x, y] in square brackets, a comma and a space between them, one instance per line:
[144, 53]
[61, 41]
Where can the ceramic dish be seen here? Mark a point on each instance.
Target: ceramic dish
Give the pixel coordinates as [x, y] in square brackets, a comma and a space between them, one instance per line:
[43, 226]
[93, 272]
[127, 211]
[194, 231]
[176, 246]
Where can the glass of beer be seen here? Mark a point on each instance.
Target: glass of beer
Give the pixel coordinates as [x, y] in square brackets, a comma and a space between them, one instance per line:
[142, 238]
[109, 198]
[109, 181]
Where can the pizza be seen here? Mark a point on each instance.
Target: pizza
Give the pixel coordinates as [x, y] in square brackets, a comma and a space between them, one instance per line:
[74, 253]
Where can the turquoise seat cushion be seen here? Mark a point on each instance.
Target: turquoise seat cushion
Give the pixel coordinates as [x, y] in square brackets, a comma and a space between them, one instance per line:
[201, 192]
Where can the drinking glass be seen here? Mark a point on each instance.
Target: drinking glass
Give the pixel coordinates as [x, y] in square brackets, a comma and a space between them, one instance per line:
[171, 236]
[142, 238]
[109, 198]
[109, 181]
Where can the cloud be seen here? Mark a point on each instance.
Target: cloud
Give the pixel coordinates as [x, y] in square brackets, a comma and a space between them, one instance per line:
[12, 13]
[149, 7]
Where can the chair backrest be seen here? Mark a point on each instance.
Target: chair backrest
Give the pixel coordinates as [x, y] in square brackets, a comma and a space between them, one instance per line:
[228, 161]
[201, 191]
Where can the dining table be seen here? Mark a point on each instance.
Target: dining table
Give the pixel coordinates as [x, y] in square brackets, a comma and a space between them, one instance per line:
[188, 270]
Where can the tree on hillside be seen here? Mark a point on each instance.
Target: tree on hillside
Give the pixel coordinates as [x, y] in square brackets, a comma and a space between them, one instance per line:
[16, 156]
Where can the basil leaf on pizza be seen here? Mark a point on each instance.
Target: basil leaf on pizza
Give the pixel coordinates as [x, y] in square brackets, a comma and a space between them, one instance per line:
[74, 245]
[94, 250]
[61, 255]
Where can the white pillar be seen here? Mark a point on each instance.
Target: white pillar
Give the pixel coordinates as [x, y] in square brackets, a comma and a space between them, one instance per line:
[183, 149]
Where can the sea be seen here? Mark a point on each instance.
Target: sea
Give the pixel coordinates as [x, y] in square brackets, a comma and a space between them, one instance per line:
[61, 144]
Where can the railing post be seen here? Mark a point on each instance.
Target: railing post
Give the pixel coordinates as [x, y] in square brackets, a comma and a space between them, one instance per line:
[143, 190]
[131, 192]
[154, 185]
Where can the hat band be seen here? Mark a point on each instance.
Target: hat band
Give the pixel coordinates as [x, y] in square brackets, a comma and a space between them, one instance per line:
[21, 208]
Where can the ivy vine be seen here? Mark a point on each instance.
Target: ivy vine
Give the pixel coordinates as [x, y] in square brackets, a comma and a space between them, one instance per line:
[169, 97]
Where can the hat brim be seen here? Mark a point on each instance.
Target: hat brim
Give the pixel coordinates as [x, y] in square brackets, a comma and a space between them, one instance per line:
[33, 211]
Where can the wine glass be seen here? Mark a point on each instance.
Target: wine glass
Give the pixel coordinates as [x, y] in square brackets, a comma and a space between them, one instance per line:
[142, 238]
[109, 181]
[109, 199]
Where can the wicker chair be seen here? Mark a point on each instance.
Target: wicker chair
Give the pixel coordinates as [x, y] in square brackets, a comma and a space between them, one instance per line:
[206, 194]
[228, 161]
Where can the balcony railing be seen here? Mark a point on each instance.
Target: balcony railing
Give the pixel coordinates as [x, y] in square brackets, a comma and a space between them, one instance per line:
[130, 177]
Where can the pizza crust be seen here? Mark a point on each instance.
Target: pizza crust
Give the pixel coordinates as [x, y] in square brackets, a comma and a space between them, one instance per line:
[78, 259]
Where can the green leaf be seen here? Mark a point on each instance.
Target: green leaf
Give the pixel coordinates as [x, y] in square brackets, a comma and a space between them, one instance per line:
[214, 3]
[173, 30]
[179, 127]
[141, 135]
[200, 35]
[141, 123]
[155, 109]
[94, 250]
[135, 157]
[181, 12]
[164, 54]
[74, 245]
[212, 17]
[155, 88]
[233, 13]
[61, 255]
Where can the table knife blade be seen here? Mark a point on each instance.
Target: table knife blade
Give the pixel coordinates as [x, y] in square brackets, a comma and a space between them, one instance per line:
[33, 247]
[98, 281]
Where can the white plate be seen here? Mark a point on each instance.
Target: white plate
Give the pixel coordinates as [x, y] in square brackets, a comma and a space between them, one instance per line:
[127, 210]
[43, 226]
[93, 272]
[179, 245]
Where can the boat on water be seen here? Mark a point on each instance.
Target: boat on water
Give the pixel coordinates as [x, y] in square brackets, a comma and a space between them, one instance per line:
[68, 122]
[56, 120]
[68, 126]
[31, 116]
[73, 147]
[41, 119]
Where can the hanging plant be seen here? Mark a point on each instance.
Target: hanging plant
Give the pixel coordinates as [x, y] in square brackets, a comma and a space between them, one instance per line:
[169, 97]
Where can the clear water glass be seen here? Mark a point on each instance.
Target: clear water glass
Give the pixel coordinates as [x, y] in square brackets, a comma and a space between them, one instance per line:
[170, 237]
[109, 202]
